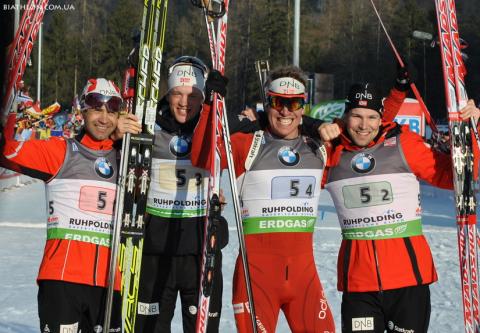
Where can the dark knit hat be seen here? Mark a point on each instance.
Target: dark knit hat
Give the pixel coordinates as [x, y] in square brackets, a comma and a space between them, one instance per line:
[364, 95]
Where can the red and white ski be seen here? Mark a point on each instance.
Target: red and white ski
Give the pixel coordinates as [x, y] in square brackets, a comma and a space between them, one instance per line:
[219, 126]
[464, 157]
[20, 50]
[213, 202]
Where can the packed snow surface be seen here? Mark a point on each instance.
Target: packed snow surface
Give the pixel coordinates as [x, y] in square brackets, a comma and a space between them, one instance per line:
[22, 237]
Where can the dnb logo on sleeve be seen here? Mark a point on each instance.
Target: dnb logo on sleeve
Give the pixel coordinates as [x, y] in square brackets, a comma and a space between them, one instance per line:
[103, 168]
[363, 163]
[288, 156]
[180, 146]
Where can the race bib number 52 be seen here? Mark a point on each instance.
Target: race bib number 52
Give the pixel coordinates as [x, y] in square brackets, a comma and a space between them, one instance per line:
[367, 194]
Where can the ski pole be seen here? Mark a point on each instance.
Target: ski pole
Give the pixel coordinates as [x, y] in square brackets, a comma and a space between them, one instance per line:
[402, 64]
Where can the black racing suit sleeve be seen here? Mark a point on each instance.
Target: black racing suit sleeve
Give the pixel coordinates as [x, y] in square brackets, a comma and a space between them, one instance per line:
[238, 123]
[310, 127]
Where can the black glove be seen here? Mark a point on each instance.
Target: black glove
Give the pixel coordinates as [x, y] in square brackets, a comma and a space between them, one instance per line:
[216, 82]
[402, 82]
[222, 231]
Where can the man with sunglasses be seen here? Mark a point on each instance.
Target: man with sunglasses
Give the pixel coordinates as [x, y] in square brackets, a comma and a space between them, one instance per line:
[385, 265]
[278, 172]
[80, 176]
[176, 208]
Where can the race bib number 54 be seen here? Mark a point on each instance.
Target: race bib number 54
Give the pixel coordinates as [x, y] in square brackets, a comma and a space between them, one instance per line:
[293, 187]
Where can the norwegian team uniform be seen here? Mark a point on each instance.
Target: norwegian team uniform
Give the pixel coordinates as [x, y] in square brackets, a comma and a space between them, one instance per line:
[176, 207]
[80, 176]
[279, 195]
[385, 264]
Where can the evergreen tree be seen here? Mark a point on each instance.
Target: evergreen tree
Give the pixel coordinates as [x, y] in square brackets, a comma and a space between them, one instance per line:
[339, 37]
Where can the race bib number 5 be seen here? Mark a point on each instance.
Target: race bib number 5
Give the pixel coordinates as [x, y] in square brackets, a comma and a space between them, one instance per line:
[96, 199]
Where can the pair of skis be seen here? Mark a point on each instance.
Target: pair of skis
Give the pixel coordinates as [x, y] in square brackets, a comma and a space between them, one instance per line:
[134, 172]
[20, 51]
[218, 42]
[465, 157]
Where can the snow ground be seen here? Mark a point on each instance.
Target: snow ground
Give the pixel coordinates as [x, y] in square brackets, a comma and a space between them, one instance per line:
[22, 236]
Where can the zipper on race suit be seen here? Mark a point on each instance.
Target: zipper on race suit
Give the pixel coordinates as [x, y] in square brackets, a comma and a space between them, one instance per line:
[377, 266]
[95, 265]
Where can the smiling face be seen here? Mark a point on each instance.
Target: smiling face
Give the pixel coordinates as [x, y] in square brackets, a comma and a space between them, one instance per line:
[284, 123]
[185, 102]
[99, 122]
[285, 90]
[363, 125]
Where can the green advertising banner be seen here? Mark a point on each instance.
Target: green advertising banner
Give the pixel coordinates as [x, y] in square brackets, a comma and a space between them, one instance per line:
[328, 110]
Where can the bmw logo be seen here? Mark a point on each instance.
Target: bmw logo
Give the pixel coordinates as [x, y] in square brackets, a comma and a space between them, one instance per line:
[288, 156]
[180, 146]
[103, 168]
[363, 163]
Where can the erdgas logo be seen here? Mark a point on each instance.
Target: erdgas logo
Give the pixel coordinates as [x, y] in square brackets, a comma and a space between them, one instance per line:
[288, 156]
[363, 163]
[103, 168]
[180, 146]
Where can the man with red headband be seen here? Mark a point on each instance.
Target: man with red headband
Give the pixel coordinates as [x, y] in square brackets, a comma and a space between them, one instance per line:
[80, 176]
[385, 265]
[278, 175]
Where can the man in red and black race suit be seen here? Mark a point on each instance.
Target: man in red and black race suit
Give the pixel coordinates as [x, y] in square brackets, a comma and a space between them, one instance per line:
[80, 176]
[385, 265]
[278, 173]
